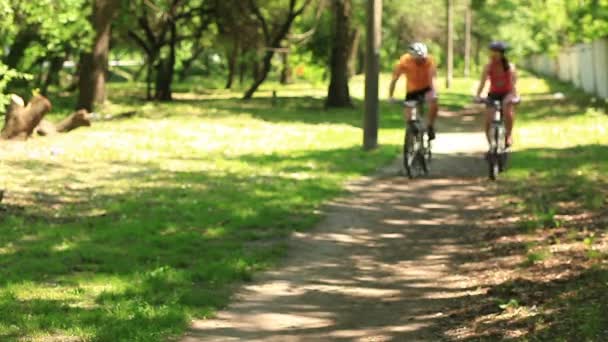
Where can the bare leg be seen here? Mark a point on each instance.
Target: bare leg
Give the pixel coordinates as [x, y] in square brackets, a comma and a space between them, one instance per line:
[433, 103]
[509, 118]
[489, 118]
[433, 110]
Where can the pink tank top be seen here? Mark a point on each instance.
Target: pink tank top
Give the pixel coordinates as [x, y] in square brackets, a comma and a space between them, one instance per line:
[500, 81]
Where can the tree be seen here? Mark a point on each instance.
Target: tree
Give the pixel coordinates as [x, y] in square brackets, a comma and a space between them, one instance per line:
[158, 30]
[94, 64]
[39, 36]
[274, 32]
[338, 93]
[450, 43]
[467, 40]
[372, 68]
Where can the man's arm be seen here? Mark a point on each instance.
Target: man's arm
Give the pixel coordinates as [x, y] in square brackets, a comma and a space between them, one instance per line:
[434, 79]
[396, 75]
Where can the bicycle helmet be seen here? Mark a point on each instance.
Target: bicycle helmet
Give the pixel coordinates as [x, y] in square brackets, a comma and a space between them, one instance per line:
[498, 46]
[418, 50]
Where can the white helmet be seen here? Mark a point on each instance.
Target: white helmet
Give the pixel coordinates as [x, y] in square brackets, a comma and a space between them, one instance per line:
[418, 50]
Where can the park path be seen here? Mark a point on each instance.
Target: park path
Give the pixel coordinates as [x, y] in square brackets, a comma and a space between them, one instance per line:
[382, 266]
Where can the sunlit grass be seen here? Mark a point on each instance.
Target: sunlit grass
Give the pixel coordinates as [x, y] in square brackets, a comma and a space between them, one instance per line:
[125, 230]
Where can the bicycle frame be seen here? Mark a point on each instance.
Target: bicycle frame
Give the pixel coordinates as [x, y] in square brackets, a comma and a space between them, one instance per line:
[416, 149]
[497, 155]
[497, 129]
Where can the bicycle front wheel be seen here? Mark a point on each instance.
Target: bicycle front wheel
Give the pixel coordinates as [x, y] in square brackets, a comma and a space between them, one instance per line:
[410, 153]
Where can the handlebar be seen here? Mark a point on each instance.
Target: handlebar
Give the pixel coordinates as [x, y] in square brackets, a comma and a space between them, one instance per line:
[487, 100]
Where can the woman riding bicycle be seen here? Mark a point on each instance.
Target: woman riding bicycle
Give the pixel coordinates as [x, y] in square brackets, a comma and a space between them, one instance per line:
[503, 80]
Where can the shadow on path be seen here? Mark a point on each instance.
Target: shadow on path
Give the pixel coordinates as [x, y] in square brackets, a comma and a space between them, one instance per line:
[382, 266]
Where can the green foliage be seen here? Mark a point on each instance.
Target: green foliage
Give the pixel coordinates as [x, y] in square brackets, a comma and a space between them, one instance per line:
[540, 25]
[7, 75]
[509, 305]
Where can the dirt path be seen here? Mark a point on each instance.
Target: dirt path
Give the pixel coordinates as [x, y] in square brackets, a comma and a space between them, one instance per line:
[382, 266]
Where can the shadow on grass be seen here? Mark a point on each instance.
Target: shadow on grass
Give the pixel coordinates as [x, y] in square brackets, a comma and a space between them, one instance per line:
[560, 196]
[170, 247]
[570, 308]
[308, 109]
[560, 175]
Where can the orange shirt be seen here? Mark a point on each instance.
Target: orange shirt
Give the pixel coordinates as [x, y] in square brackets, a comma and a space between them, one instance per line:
[419, 76]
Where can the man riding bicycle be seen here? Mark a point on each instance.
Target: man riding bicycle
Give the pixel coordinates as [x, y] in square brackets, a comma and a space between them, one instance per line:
[503, 80]
[420, 71]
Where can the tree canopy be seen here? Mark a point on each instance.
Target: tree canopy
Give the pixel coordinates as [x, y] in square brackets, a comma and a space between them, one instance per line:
[248, 40]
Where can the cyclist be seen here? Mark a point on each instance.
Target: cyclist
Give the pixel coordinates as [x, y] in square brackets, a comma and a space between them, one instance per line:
[503, 80]
[420, 71]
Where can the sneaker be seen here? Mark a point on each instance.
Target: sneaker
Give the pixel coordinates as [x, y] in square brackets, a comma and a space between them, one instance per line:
[431, 132]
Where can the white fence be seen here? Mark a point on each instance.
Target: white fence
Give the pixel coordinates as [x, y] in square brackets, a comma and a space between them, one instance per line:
[584, 65]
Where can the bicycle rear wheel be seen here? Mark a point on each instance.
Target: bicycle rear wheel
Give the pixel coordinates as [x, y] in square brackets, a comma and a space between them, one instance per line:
[494, 157]
[493, 167]
[422, 164]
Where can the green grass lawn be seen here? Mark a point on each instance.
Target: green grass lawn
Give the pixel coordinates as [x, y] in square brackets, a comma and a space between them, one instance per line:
[126, 230]
[557, 188]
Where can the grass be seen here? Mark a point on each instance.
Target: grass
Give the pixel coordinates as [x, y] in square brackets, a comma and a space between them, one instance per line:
[126, 230]
[557, 189]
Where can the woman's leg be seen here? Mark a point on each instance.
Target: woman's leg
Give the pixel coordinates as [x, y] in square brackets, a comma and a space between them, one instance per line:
[509, 114]
[489, 113]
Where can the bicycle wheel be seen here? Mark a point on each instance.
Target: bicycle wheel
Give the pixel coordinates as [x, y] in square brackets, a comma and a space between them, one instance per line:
[493, 157]
[422, 164]
[493, 167]
[410, 155]
[502, 161]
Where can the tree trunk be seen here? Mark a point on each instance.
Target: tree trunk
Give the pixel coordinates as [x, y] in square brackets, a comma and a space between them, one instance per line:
[273, 41]
[75, 120]
[22, 41]
[149, 72]
[450, 43]
[467, 41]
[187, 64]
[255, 70]
[166, 69]
[52, 75]
[20, 120]
[372, 70]
[232, 58]
[94, 65]
[354, 52]
[259, 75]
[361, 60]
[286, 70]
[338, 93]
[242, 70]
[478, 51]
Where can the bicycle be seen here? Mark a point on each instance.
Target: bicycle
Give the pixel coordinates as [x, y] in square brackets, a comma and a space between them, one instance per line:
[417, 152]
[498, 152]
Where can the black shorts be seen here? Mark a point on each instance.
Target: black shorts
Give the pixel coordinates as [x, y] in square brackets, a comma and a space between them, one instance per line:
[496, 97]
[418, 95]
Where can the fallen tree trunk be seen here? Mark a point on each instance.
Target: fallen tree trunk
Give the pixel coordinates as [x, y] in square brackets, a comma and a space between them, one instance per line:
[20, 120]
[75, 120]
